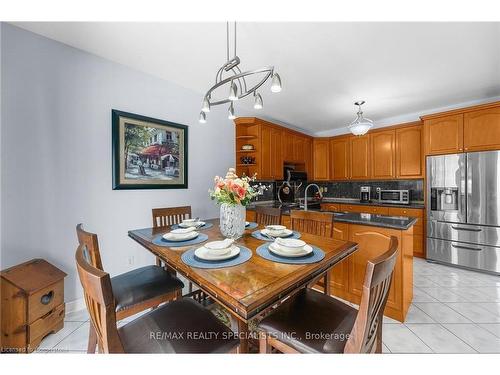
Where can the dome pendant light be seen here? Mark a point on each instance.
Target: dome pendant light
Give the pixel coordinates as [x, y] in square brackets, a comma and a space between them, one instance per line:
[360, 125]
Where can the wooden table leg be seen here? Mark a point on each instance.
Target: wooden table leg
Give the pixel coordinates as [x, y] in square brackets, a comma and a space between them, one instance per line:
[326, 281]
[241, 328]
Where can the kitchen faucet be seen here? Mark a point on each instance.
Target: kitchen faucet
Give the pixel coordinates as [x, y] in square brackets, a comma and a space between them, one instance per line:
[305, 194]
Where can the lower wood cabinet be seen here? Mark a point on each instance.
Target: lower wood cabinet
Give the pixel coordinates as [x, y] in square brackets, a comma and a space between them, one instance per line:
[339, 273]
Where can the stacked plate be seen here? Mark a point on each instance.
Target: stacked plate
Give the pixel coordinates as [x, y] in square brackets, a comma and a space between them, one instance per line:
[191, 223]
[290, 248]
[276, 231]
[181, 234]
[217, 251]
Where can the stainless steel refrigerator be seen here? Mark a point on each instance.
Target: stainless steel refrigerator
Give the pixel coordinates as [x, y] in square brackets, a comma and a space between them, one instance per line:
[463, 210]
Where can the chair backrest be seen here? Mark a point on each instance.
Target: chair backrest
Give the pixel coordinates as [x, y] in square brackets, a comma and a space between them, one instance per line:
[100, 303]
[312, 222]
[163, 217]
[267, 215]
[366, 335]
[90, 246]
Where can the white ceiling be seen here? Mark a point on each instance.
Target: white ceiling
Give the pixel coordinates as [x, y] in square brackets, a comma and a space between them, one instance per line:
[402, 70]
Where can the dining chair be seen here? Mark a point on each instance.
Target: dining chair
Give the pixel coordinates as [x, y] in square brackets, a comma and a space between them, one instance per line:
[317, 223]
[166, 216]
[267, 215]
[181, 326]
[134, 291]
[312, 322]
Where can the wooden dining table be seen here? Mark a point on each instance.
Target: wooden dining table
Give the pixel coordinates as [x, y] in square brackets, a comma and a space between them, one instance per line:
[252, 288]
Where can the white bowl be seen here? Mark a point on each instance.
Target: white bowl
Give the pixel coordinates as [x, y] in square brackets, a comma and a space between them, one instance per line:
[290, 245]
[180, 236]
[275, 230]
[219, 247]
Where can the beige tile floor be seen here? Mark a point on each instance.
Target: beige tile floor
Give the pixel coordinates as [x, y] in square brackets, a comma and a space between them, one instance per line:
[453, 311]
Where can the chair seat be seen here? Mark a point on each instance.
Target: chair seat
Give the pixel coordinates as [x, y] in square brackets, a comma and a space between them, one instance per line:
[142, 284]
[181, 326]
[311, 322]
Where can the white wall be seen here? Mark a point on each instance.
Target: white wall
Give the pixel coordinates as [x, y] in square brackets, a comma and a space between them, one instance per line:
[56, 153]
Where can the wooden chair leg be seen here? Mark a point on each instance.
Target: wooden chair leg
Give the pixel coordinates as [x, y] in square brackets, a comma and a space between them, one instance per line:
[158, 261]
[190, 287]
[264, 347]
[92, 340]
[327, 286]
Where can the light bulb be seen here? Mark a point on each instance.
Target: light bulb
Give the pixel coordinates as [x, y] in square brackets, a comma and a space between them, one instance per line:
[230, 112]
[205, 107]
[258, 102]
[203, 117]
[276, 83]
[233, 92]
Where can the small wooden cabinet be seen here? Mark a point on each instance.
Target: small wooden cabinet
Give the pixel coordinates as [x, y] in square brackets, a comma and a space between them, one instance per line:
[444, 135]
[271, 157]
[409, 156]
[339, 158]
[383, 154]
[321, 159]
[32, 305]
[482, 130]
[359, 148]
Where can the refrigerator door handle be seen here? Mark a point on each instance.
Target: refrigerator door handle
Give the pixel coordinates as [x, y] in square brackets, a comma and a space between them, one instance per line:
[467, 229]
[465, 247]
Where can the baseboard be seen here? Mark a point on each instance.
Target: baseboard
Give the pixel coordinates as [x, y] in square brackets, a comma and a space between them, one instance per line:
[76, 305]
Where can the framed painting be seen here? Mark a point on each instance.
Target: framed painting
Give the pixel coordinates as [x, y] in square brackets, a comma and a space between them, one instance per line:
[148, 153]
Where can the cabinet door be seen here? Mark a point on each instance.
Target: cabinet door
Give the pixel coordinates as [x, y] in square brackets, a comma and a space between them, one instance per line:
[383, 154]
[287, 145]
[299, 148]
[444, 135]
[339, 158]
[339, 274]
[359, 148]
[308, 156]
[265, 153]
[276, 155]
[372, 242]
[482, 130]
[321, 159]
[409, 160]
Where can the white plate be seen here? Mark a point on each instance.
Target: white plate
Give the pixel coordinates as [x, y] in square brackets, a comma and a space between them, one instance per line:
[273, 249]
[180, 237]
[285, 233]
[247, 223]
[188, 225]
[205, 254]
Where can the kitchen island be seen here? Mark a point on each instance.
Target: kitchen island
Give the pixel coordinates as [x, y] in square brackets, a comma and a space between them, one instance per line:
[372, 232]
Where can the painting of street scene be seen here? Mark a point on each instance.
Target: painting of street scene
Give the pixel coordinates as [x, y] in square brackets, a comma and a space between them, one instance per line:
[152, 153]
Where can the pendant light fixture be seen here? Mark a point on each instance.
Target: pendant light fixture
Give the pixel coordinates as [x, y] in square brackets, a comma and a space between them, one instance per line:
[231, 85]
[360, 125]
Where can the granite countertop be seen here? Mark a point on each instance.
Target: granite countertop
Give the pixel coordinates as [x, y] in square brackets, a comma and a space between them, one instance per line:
[383, 221]
[413, 204]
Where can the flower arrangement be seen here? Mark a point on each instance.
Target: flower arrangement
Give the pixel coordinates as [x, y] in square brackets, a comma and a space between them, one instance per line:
[233, 190]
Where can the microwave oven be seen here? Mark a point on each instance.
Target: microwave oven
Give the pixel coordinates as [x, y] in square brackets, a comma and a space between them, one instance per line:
[394, 196]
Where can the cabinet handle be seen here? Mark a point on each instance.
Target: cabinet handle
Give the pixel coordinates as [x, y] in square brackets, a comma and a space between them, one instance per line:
[467, 229]
[47, 298]
[465, 247]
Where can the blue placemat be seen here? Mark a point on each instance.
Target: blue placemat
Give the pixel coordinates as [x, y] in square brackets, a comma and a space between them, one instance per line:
[206, 226]
[162, 242]
[252, 225]
[191, 260]
[259, 236]
[316, 255]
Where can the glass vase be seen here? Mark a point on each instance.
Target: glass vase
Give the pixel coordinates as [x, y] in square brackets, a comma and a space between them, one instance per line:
[232, 220]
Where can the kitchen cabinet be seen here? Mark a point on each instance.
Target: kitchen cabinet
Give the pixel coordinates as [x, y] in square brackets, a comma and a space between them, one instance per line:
[383, 154]
[444, 135]
[271, 158]
[409, 158]
[287, 144]
[332, 207]
[308, 156]
[299, 148]
[339, 158]
[321, 159]
[339, 273]
[359, 148]
[418, 228]
[369, 209]
[482, 130]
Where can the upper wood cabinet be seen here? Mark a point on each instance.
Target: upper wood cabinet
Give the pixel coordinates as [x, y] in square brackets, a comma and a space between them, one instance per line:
[287, 143]
[321, 159]
[308, 156]
[444, 135]
[339, 158]
[409, 160]
[271, 157]
[359, 147]
[383, 154]
[482, 130]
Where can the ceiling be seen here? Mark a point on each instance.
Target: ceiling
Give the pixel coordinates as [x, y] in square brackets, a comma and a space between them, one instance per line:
[402, 70]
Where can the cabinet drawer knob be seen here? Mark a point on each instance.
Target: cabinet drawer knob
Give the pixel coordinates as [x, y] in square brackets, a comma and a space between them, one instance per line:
[47, 298]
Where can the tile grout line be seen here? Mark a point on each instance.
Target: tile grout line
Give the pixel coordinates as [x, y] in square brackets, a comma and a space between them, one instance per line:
[69, 334]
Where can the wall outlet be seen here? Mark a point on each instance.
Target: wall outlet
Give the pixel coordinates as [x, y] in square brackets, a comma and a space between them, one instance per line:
[131, 260]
